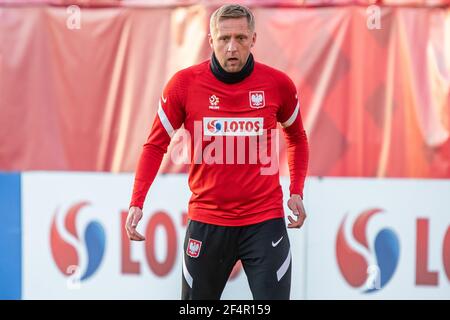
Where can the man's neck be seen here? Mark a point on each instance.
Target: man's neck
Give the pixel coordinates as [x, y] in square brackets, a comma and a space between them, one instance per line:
[231, 77]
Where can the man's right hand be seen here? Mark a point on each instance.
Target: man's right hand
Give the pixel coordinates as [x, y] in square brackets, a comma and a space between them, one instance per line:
[134, 216]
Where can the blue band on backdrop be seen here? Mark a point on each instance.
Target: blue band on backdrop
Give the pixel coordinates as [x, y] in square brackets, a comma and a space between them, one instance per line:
[10, 237]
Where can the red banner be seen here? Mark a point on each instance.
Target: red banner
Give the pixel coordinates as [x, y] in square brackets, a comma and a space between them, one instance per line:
[79, 87]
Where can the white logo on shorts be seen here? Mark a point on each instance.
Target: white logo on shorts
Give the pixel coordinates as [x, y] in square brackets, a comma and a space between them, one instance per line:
[274, 244]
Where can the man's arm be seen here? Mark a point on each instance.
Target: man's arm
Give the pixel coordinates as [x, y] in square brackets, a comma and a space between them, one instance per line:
[148, 166]
[298, 156]
[170, 117]
[297, 152]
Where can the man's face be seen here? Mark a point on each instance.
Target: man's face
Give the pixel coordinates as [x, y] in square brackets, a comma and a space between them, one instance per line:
[232, 42]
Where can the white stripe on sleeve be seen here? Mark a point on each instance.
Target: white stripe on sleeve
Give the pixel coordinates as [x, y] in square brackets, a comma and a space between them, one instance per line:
[165, 121]
[292, 118]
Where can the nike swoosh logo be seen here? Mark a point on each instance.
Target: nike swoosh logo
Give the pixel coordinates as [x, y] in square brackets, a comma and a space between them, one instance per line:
[164, 100]
[274, 244]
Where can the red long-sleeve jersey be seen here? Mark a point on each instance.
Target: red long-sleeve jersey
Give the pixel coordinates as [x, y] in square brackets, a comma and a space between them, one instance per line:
[233, 154]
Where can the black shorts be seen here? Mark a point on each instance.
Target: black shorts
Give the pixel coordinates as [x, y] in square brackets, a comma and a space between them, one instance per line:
[211, 251]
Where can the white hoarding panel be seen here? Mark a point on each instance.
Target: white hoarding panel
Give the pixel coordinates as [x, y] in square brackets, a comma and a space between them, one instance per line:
[378, 239]
[75, 246]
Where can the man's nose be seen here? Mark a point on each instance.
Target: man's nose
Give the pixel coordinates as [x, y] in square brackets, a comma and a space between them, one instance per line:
[231, 46]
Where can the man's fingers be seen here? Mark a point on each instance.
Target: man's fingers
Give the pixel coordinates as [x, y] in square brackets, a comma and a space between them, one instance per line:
[291, 220]
[296, 223]
[136, 236]
[298, 206]
[133, 218]
[132, 233]
[298, 210]
[293, 223]
[301, 211]
[301, 219]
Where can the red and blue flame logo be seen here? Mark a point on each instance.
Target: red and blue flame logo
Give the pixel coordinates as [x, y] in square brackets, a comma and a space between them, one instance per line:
[66, 244]
[214, 126]
[355, 263]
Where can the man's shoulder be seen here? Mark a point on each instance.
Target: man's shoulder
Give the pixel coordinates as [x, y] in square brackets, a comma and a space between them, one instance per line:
[184, 78]
[271, 70]
[280, 79]
[192, 71]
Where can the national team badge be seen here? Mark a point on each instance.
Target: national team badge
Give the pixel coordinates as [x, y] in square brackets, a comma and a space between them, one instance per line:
[193, 248]
[257, 100]
[214, 102]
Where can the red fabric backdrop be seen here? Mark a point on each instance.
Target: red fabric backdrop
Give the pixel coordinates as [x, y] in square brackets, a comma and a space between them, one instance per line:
[375, 102]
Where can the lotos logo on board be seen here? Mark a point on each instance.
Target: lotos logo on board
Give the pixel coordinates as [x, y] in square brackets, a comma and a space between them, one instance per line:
[76, 249]
[363, 264]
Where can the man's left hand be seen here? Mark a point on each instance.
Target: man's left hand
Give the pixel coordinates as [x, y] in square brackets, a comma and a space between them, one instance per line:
[295, 203]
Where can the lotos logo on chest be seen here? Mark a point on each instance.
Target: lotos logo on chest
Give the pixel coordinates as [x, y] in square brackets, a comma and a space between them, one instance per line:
[233, 126]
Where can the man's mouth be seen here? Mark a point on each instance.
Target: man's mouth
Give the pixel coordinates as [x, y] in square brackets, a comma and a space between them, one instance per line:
[233, 59]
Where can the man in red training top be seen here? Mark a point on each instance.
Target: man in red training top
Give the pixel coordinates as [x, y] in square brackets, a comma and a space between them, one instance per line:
[236, 211]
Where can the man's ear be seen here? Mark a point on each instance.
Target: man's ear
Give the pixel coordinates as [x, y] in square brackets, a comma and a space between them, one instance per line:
[253, 39]
[210, 40]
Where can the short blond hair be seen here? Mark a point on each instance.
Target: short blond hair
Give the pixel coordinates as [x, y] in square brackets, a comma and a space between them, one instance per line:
[231, 11]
